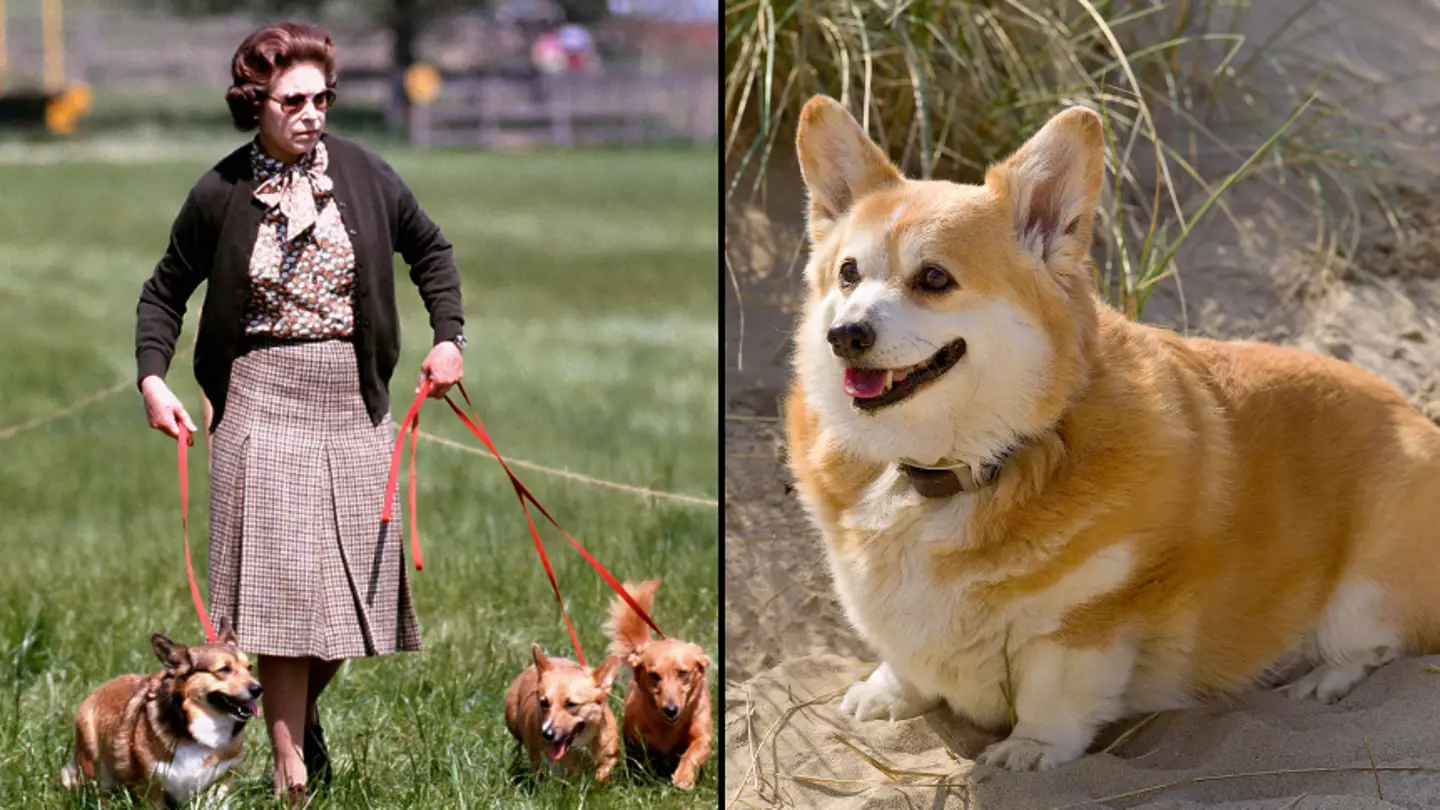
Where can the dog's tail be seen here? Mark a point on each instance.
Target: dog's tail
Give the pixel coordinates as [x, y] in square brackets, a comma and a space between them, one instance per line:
[625, 629]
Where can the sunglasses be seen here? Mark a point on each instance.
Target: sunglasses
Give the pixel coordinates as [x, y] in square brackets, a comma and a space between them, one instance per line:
[295, 102]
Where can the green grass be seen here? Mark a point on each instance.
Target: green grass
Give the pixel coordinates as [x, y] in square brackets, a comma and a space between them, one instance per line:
[590, 294]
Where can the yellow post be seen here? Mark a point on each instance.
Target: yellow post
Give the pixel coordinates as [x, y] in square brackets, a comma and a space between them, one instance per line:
[2, 46]
[54, 34]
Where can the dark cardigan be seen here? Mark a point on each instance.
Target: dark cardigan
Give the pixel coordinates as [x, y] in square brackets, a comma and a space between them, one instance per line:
[214, 234]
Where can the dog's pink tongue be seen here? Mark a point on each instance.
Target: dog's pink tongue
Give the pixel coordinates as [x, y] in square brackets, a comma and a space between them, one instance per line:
[864, 383]
[558, 750]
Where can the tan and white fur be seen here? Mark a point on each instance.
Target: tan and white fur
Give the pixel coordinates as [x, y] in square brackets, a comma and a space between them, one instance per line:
[560, 712]
[667, 707]
[172, 735]
[1180, 517]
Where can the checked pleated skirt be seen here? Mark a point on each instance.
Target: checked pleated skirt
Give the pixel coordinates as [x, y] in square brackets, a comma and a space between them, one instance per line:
[299, 560]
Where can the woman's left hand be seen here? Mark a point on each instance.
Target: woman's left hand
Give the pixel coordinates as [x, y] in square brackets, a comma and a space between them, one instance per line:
[444, 367]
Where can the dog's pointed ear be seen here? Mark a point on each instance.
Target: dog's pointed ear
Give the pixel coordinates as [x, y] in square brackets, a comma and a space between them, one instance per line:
[175, 657]
[542, 664]
[226, 633]
[1053, 185]
[604, 675]
[839, 162]
[703, 660]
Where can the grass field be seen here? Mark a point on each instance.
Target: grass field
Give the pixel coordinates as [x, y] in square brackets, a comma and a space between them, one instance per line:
[590, 289]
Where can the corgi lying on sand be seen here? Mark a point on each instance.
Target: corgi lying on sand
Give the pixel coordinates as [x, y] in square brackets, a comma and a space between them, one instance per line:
[1023, 493]
[170, 735]
[667, 707]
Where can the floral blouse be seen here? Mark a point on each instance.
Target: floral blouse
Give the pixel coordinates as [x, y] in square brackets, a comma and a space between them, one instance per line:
[302, 270]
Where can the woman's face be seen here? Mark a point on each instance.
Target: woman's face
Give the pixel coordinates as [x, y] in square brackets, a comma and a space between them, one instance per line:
[292, 113]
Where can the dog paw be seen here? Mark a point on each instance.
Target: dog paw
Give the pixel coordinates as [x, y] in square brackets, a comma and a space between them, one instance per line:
[883, 695]
[683, 779]
[1023, 754]
[1327, 683]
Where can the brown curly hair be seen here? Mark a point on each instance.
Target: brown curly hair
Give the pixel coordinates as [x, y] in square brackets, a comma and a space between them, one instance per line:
[266, 54]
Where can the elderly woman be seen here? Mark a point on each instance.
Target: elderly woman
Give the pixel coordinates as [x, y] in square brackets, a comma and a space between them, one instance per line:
[296, 233]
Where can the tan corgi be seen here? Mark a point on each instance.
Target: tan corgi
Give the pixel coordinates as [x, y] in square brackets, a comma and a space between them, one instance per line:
[1031, 504]
[558, 709]
[168, 736]
[667, 707]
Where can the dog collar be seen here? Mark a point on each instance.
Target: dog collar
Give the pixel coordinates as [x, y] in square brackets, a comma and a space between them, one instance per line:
[943, 481]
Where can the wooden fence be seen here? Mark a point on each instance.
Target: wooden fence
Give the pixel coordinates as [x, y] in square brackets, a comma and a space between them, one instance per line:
[604, 107]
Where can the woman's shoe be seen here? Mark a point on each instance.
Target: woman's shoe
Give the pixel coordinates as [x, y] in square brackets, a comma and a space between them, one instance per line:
[317, 756]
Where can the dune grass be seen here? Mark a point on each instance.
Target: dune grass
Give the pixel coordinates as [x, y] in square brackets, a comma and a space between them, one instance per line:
[591, 301]
[1192, 107]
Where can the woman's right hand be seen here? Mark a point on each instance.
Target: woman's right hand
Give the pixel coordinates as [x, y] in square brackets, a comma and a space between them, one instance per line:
[163, 408]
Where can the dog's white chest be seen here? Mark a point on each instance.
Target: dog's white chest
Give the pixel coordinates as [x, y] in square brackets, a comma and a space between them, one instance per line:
[934, 624]
[189, 772]
[931, 631]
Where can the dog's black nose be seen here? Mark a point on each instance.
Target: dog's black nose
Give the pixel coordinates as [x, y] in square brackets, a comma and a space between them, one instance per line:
[851, 340]
[547, 734]
[671, 711]
[255, 691]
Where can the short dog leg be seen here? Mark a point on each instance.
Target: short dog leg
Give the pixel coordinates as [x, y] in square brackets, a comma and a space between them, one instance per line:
[1355, 637]
[885, 695]
[1063, 698]
[690, 761]
[698, 749]
[83, 764]
[607, 748]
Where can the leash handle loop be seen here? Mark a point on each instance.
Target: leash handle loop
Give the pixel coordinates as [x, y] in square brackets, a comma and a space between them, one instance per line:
[411, 422]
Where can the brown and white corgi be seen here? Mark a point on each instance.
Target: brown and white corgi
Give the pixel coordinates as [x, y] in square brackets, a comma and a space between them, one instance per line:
[171, 735]
[1033, 504]
[667, 706]
[559, 710]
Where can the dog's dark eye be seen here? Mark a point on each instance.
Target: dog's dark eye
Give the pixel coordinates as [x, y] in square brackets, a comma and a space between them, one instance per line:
[544, 703]
[849, 273]
[571, 705]
[655, 676]
[933, 279]
[224, 671]
[683, 673]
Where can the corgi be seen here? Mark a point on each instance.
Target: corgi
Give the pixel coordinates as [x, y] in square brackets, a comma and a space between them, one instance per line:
[560, 710]
[168, 736]
[1049, 517]
[667, 707]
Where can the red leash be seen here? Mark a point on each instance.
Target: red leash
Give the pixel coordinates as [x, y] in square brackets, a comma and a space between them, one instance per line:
[186, 440]
[476, 427]
[411, 423]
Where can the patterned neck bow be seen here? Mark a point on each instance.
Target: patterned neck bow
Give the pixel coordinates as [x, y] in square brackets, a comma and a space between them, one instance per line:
[293, 189]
